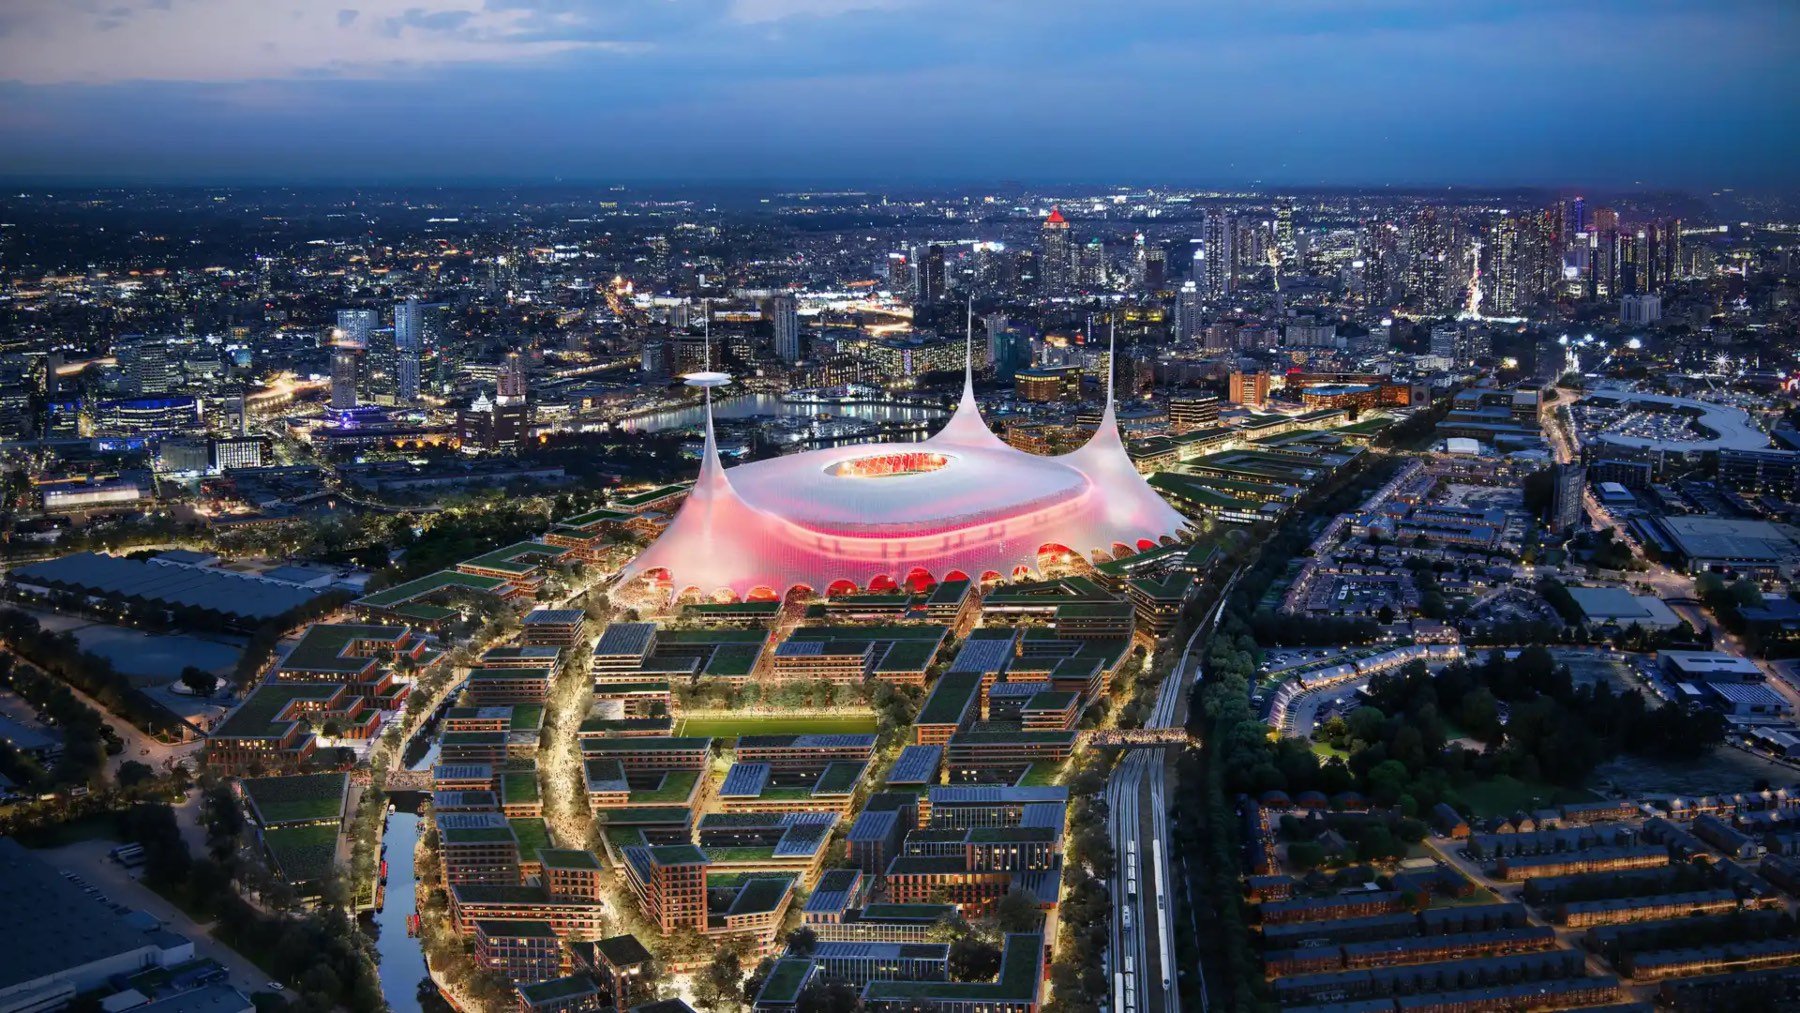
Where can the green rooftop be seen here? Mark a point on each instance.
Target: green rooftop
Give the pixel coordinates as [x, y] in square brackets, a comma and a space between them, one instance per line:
[951, 698]
[678, 854]
[518, 559]
[568, 858]
[322, 647]
[299, 798]
[637, 500]
[519, 788]
[676, 786]
[1021, 973]
[533, 834]
[784, 980]
[256, 717]
[302, 854]
[593, 518]
[443, 580]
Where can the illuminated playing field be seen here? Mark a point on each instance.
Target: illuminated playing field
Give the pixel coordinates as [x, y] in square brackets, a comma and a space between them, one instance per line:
[732, 727]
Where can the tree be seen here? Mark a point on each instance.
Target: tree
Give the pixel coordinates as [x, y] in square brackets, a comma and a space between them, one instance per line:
[802, 941]
[972, 959]
[1306, 855]
[822, 996]
[132, 773]
[722, 986]
[1017, 911]
[199, 680]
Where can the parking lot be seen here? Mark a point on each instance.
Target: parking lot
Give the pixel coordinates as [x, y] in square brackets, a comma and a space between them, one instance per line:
[89, 867]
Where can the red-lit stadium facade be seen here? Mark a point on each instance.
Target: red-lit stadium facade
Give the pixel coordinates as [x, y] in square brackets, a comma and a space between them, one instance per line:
[961, 504]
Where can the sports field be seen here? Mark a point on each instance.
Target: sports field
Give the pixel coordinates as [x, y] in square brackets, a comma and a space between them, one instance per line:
[776, 724]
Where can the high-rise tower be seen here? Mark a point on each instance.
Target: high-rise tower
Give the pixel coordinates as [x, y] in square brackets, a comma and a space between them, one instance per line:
[409, 345]
[1218, 253]
[1059, 255]
[785, 317]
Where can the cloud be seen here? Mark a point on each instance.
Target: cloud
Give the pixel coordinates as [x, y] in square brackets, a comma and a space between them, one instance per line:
[760, 11]
[48, 42]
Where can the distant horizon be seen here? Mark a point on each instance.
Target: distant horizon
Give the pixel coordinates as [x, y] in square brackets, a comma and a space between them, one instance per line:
[1663, 94]
[873, 186]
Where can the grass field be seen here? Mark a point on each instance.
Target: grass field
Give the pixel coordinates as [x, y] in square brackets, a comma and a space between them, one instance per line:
[1503, 796]
[776, 724]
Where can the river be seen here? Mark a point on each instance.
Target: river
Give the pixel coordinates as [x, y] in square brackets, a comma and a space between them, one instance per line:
[752, 405]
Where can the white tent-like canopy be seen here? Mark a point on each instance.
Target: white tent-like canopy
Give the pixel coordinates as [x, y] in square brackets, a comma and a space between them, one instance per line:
[961, 504]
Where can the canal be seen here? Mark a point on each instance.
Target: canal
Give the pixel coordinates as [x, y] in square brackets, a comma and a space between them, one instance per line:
[402, 965]
[402, 960]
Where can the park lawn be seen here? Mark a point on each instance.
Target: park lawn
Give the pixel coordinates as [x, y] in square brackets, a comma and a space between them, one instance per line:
[753, 724]
[1503, 796]
[1324, 750]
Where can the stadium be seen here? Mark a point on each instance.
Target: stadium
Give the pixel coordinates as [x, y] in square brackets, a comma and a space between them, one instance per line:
[959, 505]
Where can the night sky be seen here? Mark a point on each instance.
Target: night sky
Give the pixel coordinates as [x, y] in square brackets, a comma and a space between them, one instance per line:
[1298, 92]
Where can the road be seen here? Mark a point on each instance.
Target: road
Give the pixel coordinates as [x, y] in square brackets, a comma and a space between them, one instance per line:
[139, 745]
[1142, 955]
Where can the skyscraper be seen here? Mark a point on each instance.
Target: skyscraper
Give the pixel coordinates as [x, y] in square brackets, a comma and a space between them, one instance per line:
[1284, 232]
[1009, 350]
[510, 383]
[1059, 255]
[931, 277]
[1500, 279]
[1671, 269]
[343, 376]
[1187, 313]
[409, 345]
[900, 276]
[1565, 505]
[1156, 268]
[784, 315]
[1217, 251]
[355, 326]
[1430, 272]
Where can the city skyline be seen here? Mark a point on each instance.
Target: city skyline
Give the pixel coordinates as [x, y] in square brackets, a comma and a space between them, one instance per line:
[1659, 95]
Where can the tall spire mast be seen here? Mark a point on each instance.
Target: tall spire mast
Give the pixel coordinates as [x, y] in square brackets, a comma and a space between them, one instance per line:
[969, 352]
[1112, 363]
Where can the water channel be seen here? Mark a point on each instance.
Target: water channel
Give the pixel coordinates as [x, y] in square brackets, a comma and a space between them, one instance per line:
[402, 965]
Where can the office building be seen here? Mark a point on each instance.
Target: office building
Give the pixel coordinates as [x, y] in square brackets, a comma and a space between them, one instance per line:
[1249, 389]
[1640, 309]
[1193, 412]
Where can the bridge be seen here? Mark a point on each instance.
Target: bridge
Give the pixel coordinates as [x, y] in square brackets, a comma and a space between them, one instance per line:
[400, 779]
[1127, 738]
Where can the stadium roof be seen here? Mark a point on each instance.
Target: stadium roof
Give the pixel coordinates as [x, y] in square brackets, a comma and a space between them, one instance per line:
[960, 505]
